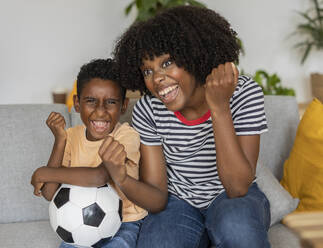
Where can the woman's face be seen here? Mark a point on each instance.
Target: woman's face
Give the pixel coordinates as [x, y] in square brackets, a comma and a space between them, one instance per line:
[173, 85]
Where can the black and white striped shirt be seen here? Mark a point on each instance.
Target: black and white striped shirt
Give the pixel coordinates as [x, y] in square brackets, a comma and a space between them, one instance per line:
[189, 146]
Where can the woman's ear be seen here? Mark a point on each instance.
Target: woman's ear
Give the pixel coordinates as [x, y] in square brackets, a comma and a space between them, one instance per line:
[76, 103]
[124, 105]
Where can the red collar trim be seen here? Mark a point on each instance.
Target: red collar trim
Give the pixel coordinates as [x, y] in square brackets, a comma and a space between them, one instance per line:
[198, 121]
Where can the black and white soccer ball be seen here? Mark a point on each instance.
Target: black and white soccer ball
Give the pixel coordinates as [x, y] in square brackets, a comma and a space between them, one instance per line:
[82, 216]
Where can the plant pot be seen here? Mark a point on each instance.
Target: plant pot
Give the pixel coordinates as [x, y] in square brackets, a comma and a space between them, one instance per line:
[317, 85]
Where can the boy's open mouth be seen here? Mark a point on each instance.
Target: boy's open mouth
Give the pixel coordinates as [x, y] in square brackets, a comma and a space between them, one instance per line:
[100, 126]
[169, 94]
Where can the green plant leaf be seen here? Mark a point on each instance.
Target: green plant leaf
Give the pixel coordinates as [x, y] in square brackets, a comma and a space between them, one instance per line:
[306, 16]
[271, 84]
[138, 4]
[128, 8]
[307, 51]
[311, 29]
[196, 3]
[149, 4]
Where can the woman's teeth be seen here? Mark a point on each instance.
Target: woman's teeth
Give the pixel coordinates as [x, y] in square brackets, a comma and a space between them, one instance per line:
[165, 91]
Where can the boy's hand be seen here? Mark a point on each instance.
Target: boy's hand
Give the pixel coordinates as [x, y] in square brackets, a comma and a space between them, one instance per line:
[113, 157]
[220, 85]
[36, 183]
[56, 124]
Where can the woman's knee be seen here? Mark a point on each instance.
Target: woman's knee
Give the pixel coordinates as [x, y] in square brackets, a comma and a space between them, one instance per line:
[238, 222]
[179, 225]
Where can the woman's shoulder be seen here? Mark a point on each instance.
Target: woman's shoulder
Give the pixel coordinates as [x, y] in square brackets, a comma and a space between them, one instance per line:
[149, 103]
[246, 86]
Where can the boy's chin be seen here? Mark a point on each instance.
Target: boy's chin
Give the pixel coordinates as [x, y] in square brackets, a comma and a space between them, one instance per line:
[97, 136]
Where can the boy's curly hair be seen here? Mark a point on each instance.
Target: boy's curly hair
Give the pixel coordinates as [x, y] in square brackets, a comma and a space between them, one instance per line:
[197, 39]
[105, 69]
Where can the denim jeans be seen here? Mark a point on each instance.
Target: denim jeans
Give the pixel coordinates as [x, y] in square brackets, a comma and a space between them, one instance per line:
[228, 222]
[126, 237]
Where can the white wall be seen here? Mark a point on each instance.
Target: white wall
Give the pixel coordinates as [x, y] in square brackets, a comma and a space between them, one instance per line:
[265, 28]
[43, 43]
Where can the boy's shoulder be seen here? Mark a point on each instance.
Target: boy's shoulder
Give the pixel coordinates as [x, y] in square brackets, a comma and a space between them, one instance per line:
[75, 129]
[124, 133]
[123, 129]
[75, 132]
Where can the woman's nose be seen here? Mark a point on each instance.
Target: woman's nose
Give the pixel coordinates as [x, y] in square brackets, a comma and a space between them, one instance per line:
[159, 76]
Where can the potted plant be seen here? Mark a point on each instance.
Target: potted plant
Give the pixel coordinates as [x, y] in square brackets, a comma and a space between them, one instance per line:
[312, 32]
[149, 8]
[271, 84]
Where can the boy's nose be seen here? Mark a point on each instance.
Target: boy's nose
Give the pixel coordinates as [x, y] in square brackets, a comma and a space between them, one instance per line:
[100, 110]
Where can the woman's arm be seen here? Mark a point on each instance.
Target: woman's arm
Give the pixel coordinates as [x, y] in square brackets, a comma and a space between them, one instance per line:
[151, 191]
[236, 156]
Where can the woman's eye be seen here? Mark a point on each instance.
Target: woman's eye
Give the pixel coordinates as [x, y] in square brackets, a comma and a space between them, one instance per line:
[146, 72]
[167, 63]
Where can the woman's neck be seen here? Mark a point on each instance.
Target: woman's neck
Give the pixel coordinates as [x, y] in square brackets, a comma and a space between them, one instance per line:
[197, 105]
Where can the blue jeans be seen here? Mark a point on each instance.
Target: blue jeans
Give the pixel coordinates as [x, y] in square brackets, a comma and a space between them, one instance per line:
[126, 237]
[237, 222]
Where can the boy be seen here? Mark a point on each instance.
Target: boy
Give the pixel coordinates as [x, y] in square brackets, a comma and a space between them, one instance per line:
[100, 151]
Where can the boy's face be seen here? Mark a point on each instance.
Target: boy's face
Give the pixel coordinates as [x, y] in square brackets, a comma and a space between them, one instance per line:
[173, 85]
[100, 106]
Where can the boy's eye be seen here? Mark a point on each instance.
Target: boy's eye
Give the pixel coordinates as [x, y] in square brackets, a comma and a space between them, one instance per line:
[146, 72]
[166, 63]
[109, 102]
[90, 100]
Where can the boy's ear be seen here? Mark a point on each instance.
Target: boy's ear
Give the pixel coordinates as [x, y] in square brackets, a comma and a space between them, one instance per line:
[76, 103]
[124, 105]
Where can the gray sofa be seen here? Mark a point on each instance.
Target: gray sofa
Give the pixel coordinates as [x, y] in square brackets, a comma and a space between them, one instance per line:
[26, 143]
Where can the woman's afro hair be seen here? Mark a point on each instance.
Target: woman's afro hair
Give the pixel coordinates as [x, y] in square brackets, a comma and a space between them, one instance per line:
[105, 69]
[196, 38]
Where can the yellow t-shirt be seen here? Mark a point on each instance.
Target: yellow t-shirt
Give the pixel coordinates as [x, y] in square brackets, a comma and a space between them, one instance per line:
[80, 152]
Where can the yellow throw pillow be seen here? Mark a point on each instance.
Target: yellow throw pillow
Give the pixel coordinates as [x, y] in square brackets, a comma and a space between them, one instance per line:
[69, 100]
[303, 170]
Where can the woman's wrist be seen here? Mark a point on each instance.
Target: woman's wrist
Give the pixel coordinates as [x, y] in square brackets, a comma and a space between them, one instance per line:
[222, 110]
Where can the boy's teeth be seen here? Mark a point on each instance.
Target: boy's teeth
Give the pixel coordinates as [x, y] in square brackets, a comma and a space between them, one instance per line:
[167, 90]
[100, 123]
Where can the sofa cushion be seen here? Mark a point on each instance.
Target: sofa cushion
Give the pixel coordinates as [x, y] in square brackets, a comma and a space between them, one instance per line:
[282, 119]
[282, 237]
[281, 202]
[303, 170]
[28, 234]
[25, 144]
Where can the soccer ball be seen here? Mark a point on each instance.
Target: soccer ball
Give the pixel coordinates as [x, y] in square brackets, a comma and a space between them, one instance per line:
[82, 216]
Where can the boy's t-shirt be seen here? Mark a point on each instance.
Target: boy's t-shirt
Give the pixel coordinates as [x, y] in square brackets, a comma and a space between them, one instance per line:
[80, 152]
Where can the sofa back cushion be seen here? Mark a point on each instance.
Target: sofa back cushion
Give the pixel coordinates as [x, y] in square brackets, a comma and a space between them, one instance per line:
[282, 118]
[25, 144]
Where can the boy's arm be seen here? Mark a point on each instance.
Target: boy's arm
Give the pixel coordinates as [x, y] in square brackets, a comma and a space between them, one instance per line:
[48, 190]
[56, 124]
[150, 192]
[81, 176]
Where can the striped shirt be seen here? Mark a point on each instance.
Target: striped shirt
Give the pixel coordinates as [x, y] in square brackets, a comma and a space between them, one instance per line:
[189, 146]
